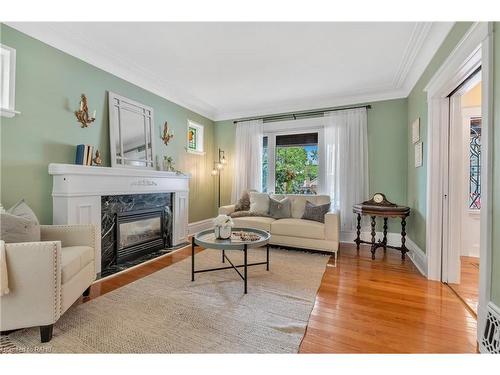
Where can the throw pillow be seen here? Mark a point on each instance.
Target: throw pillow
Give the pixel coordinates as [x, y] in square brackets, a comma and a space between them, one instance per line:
[259, 203]
[244, 202]
[316, 213]
[19, 224]
[280, 209]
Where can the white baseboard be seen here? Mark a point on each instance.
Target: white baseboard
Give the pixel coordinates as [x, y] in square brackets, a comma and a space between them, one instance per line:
[417, 256]
[198, 226]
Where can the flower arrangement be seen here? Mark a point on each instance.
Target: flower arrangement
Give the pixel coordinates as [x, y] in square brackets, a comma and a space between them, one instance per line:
[222, 226]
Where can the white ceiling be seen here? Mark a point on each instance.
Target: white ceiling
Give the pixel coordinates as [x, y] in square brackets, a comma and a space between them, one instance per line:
[233, 70]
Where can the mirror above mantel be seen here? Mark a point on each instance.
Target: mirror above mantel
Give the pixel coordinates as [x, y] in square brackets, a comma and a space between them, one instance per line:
[131, 133]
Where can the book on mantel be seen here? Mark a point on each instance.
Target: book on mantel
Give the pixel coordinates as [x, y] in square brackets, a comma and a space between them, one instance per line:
[84, 154]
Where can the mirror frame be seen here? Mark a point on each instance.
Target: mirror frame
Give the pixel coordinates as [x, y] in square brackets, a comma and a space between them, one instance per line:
[115, 122]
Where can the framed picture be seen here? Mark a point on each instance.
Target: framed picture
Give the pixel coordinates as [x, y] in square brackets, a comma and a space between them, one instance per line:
[194, 138]
[419, 148]
[415, 130]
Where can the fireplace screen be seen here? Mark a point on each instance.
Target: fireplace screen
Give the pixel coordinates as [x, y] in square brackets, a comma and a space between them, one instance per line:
[140, 231]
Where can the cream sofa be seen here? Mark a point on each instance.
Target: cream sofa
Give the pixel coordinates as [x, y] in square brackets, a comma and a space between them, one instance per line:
[294, 231]
[45, 278]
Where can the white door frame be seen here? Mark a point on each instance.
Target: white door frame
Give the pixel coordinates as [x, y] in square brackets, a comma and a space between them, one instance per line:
[475, 49]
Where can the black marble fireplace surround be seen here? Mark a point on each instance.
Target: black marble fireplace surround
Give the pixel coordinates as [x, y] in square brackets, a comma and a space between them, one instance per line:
[116, 209]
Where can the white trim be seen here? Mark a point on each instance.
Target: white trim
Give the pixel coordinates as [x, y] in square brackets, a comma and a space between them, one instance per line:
[8, 113]
[83, 48]
[418, 257]
[198, 226]
[486, 229]
[459, 65]
[463, 60]
[10, 81]
[421, 47]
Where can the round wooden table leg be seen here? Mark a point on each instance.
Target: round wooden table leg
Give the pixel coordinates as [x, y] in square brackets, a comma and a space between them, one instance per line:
[358, 232]
[385, 234]
[373, 238]
[404, 250]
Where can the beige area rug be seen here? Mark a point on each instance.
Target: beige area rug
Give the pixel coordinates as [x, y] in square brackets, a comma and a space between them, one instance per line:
[167, 313]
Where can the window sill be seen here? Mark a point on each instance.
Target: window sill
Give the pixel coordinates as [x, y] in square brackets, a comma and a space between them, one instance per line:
[9, 113]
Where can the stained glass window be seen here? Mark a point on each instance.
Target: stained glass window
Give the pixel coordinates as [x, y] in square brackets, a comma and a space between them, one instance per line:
[475, 164]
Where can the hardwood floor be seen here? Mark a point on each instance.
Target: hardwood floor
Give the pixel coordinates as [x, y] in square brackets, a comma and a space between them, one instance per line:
[365, 306]
[468, 289]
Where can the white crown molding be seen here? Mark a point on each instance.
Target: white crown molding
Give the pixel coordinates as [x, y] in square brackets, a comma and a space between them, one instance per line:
[316, 103]
[419, 34]
[426, 38]
[79, 46]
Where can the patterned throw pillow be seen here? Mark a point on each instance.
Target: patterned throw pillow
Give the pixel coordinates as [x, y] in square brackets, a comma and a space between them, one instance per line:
[316, 213]
[280, 209]
[244, 202]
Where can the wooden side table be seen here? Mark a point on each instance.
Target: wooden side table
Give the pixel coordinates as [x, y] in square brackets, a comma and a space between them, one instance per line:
[379, 206]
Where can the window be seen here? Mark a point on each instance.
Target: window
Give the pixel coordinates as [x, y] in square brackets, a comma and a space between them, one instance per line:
[8, 80]
[194, 138]
[475, 164]
[290, 163]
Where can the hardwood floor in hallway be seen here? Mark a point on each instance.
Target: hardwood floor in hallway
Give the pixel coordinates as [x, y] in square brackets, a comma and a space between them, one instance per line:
[364, 306]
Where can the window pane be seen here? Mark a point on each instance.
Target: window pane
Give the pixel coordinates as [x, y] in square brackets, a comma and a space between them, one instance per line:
[475, 164]
[297, 164]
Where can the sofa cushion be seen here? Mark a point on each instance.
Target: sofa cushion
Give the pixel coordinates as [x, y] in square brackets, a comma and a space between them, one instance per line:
[299, 202]
[74, 259]
[259, 203]
[298, 228]
[257, 222]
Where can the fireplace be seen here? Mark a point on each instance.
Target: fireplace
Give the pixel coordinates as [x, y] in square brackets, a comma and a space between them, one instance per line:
[139, 233]
[134, 228]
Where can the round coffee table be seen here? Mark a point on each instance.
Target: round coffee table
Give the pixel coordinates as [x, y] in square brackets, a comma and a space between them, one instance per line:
[207, 239]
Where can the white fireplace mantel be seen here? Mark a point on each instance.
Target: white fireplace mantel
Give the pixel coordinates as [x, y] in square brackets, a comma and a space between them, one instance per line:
[77, 192]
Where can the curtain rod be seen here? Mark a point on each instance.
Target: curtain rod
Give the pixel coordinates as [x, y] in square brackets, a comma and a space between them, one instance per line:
[303, 114]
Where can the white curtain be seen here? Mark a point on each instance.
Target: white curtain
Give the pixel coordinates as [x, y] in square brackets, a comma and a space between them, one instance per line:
[247, 169]
[346, 161]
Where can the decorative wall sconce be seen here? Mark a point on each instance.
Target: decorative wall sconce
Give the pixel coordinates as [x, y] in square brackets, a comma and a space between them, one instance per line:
[82, 115]
[167, 135]
[216, 171]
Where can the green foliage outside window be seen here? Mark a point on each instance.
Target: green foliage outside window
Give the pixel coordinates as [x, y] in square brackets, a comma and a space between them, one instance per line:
[293, 166]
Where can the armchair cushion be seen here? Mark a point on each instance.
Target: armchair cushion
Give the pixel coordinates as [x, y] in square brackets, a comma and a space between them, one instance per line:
[74, 259]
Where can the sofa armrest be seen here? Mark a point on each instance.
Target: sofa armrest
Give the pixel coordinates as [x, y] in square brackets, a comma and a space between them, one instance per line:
[34, 277]
[70, 235]
[226, 210]
[332, 226]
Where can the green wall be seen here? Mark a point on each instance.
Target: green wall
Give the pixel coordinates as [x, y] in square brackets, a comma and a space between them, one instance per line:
[417, 107]
[495, 277]
[48, 87]
[387, 145]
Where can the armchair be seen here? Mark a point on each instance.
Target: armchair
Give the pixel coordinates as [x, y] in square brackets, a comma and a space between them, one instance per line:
[45, 278]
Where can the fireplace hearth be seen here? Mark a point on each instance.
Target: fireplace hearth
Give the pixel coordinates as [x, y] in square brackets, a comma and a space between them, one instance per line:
[134, 228]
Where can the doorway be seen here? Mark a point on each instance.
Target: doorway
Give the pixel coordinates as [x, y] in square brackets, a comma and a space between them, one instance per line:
[462, 257]
[472, 52]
